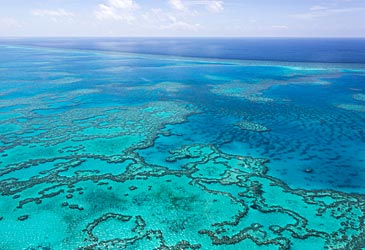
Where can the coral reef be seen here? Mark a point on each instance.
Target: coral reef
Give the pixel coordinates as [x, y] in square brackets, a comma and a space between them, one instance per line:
[73, 174]
[246, 125]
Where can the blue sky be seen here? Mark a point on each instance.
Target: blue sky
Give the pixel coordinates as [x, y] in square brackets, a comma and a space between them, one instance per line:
[245, 18]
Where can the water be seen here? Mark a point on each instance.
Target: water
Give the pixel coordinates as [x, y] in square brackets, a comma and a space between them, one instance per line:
[334, 50]
[115, 150]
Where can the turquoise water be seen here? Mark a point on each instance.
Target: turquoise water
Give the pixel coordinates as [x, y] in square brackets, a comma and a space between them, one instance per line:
[104, 150]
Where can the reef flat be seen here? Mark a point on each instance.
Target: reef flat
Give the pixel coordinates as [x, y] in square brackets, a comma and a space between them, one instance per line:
[124, 151]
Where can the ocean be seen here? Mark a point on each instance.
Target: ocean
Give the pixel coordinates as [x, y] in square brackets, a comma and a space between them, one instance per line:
[330, 50]
[166, 143]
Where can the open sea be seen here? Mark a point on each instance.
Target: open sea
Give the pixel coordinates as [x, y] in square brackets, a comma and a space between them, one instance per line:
[165, 143]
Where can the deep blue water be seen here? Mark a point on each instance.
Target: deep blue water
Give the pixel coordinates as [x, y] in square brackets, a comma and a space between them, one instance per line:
[339, 50]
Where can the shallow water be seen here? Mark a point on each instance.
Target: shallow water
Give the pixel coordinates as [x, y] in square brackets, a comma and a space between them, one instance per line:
[127, 151]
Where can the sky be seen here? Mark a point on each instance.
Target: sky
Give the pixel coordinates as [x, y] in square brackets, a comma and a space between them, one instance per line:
[186, 18]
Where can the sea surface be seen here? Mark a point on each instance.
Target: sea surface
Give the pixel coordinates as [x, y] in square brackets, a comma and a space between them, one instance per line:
[146, 143]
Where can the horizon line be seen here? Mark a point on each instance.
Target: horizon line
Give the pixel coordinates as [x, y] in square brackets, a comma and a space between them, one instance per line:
[190, 37]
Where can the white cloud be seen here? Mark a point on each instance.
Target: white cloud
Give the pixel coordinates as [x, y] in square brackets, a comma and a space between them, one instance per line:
[317, 7]
[214, 6]
[157, 18]
[119, 10]
[52, 13]
[177, 4]
[181, 25]
[282, 27]
[56, 15]
[123, 4]
[322, 11]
